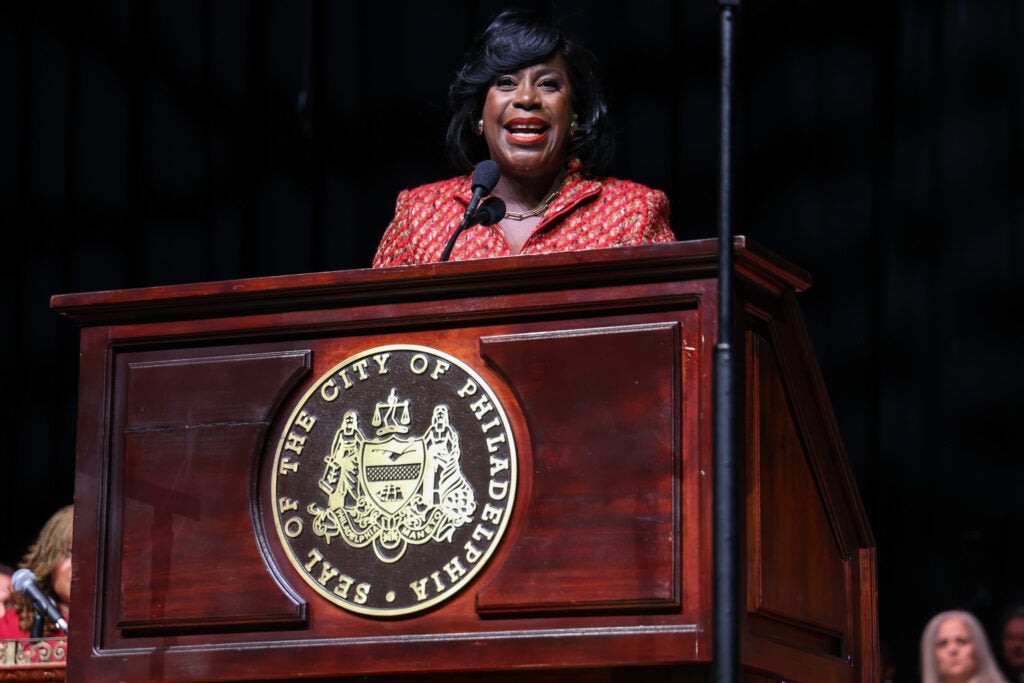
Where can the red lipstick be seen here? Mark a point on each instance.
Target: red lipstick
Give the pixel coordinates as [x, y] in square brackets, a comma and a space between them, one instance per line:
[526, 130]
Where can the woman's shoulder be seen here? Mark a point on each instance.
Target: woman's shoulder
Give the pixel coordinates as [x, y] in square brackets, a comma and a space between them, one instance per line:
[447, 187]
[612, 184]
[606, 192]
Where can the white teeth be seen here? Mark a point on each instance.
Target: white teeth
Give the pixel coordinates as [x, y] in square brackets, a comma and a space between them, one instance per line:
[526, 130]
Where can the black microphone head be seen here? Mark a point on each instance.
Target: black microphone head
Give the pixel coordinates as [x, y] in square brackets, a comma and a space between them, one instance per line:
[491, 211]
[486, 175]
[22, 579]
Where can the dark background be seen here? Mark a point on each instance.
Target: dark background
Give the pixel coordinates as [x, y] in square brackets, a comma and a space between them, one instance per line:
[880, 146]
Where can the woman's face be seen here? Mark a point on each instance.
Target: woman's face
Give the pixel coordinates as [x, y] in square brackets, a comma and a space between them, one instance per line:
[954, 651]
[526, 119]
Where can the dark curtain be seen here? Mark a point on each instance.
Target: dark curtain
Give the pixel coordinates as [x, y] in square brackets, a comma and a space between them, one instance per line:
[880, 146]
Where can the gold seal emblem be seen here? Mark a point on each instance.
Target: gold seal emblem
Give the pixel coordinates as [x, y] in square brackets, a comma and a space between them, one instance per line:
[394, 480]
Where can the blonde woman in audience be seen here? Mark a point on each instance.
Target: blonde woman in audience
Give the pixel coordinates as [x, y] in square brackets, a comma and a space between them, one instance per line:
[49, 558]
[954, 649]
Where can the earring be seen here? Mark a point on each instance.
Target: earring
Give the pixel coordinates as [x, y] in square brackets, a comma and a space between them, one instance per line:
[480, 127]
[573, 126]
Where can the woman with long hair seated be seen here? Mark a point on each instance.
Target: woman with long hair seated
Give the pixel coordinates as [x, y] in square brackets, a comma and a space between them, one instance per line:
[49, 558]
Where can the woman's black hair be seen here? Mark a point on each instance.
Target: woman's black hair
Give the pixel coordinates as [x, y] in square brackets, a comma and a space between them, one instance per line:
[514, 40]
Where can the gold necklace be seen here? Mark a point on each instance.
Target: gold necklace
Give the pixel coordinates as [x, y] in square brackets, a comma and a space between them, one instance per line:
[540, 208]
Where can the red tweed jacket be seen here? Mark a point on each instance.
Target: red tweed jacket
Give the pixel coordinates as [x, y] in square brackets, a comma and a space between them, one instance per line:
[589, 213]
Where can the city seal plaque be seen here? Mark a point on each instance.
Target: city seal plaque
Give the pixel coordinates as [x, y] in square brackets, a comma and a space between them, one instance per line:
[393, 480]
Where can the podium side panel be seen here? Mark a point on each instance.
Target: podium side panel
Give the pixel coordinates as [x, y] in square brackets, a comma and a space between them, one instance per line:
[800, 582]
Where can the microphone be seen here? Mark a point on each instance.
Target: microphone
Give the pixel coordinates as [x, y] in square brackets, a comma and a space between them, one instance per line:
[24, 581]
[490, 212]
[485, 177]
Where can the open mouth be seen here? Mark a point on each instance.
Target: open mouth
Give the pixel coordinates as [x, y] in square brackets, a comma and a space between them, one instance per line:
[527, 131]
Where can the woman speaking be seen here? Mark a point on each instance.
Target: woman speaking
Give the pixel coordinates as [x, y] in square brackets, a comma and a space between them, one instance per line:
[530, 101]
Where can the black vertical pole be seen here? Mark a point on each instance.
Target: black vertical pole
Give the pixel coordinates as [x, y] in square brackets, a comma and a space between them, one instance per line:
[726, 495]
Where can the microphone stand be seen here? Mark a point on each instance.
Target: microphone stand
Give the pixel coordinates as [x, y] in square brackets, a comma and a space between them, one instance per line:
[38, 622]
[455, 235]
[726, 476]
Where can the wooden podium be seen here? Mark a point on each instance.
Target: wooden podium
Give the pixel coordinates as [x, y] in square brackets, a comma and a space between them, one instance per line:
[229, 529]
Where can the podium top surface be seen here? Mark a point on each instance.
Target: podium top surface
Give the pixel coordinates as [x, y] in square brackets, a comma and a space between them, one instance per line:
[597, 267]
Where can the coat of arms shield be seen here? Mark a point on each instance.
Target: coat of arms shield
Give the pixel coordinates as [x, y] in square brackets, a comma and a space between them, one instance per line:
[391, 471]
